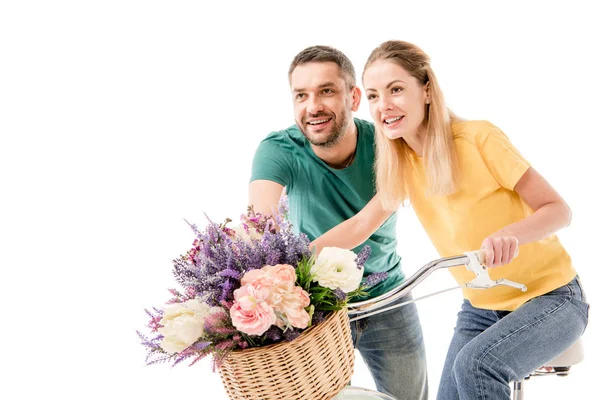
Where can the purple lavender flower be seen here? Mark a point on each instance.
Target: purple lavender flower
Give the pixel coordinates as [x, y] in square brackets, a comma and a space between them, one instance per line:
[219, 323]
[318, 317]
[339, 294]
[375, 278]
[199, 345]
[281, 216]
[290, 335]
[230, 273]
[363, 255]
[150, 343]
[225, 290]
[215, 265]
[226, 345]
[274, 334]
[214, 270]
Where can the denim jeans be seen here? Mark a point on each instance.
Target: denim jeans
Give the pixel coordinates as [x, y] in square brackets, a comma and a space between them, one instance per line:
[391, 344]
[490, 348]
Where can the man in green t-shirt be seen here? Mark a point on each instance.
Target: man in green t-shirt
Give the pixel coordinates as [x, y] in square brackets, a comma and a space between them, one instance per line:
[325, 164]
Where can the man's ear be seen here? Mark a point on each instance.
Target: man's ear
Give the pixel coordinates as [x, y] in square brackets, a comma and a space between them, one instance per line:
[356, 95]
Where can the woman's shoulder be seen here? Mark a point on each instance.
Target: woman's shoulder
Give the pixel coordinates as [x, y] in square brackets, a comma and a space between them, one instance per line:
[475, 131]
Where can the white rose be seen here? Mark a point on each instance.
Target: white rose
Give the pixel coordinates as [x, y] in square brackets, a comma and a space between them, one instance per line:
[183, 324]
[336, 268]
[246, 236]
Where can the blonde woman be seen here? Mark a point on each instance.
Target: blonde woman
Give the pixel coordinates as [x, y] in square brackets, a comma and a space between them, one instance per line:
[471, 188]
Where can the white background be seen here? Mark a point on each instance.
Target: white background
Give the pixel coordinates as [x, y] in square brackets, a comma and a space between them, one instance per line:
[120, 118]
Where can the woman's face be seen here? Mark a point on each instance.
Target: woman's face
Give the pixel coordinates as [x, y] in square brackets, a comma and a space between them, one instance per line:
[397, 100]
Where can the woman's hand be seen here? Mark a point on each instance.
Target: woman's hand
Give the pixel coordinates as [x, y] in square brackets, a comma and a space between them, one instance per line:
[356, 230]
[500, 249]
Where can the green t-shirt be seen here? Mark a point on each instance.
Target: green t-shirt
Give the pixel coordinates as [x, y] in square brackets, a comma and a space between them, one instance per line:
[321, 197]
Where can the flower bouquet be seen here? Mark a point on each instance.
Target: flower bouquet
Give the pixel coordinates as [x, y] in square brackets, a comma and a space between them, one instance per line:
[269, 311]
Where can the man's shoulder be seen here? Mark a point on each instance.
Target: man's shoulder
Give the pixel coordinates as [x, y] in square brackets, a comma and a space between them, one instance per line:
[291, 132]
[364, 126]
[285, 138]
[276, 156]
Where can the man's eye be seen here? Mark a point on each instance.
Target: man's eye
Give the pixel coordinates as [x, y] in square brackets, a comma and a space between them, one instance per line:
[327, 91]
[300, 96]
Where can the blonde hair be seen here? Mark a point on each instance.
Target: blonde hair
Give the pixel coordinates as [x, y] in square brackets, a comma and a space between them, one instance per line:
[394, 157]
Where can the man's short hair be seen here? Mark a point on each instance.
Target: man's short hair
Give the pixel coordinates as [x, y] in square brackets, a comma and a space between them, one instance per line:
[325, 54]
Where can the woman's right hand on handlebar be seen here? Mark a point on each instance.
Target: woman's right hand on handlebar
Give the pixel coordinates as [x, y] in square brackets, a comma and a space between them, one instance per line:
[500, 249]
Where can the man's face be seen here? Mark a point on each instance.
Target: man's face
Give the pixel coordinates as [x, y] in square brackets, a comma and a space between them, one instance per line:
[323, 102]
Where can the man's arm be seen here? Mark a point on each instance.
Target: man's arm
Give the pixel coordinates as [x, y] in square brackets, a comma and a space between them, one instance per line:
[264, 196]
[355, 230]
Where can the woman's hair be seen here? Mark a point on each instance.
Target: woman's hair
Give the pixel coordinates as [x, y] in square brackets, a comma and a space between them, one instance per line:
[393, 157]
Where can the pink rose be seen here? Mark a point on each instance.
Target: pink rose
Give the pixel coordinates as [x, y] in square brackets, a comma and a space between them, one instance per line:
[257, 278]
[250, 312]
[281, 274]
[276, 284]
[269, 275]
[292, 304]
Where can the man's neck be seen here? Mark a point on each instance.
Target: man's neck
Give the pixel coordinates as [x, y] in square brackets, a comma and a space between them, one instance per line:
[341, 155]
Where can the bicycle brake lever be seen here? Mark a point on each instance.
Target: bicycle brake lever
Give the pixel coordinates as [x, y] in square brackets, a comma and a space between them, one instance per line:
[482, 278]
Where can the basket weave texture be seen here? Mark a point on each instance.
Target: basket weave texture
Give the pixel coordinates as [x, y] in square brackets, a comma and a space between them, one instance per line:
[315, 366]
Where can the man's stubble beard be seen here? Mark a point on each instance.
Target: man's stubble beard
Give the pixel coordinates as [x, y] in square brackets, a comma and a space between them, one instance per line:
[337, 134]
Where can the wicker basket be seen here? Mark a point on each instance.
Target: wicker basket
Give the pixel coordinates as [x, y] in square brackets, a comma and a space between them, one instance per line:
[315, 366]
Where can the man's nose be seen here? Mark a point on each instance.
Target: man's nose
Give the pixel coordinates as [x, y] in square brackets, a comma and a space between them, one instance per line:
[315, 105]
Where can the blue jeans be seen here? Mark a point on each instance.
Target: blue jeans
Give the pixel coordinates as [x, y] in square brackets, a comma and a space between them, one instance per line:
[391, 344]
[490, 348]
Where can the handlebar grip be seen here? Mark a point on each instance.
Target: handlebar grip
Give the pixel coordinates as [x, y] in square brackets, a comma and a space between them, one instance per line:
[480, 255]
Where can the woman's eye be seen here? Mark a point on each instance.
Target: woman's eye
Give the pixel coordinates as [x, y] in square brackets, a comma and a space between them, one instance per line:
[396, 89]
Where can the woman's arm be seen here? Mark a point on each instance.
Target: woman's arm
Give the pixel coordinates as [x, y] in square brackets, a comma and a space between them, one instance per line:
[356, 230]
[551, 213]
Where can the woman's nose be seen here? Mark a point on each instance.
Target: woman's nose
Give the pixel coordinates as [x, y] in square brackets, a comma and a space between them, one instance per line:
[384, 104]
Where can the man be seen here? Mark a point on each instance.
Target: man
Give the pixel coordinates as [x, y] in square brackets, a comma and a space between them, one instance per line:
[325, 163]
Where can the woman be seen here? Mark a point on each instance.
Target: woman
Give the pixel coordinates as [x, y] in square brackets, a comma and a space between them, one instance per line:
[471, 188]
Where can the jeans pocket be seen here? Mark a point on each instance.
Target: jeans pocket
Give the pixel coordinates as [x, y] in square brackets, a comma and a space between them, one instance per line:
[587, 315]
[578, 281]
[580, 300]
[568, 291]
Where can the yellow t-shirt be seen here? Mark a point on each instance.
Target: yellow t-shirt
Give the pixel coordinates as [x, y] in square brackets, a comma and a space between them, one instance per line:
[489, 168]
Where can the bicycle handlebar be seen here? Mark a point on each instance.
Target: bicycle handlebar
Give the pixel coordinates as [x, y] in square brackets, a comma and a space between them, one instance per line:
[473, 260]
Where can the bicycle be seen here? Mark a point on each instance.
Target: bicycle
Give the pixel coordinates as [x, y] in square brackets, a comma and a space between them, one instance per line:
[474, 261]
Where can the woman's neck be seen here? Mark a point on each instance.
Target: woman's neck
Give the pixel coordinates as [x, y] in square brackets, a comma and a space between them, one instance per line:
[416, 141]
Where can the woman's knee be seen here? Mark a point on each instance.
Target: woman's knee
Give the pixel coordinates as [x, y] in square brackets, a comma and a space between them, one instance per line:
[465, 364]
[473, 362]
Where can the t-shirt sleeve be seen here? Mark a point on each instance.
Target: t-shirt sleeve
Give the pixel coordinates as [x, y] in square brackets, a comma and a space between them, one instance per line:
[271, 162]
[503, 160]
